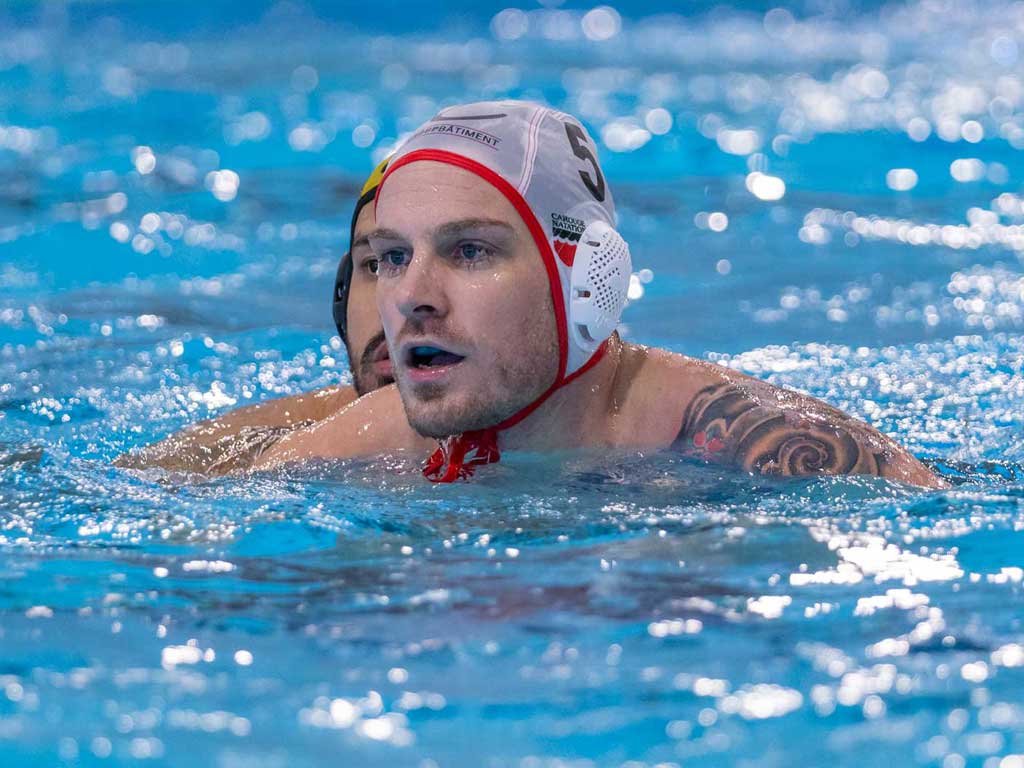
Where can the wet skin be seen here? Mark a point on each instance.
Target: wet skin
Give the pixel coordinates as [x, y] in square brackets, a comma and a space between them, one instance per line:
[460, 283]
[367, 350]
[461, 278]
[232, 441]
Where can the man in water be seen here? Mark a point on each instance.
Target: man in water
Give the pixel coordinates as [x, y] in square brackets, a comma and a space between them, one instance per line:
[234, 440]
[501, 280]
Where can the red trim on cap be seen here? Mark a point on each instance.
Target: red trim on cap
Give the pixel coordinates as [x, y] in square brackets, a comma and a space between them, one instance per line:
[449, 462]
[539, 238]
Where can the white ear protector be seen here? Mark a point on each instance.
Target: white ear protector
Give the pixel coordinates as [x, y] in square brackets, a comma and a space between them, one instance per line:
[599, 284]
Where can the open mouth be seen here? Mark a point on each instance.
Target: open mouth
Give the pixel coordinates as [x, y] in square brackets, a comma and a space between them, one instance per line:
[382, 365]
[376, 358]
[424, 357]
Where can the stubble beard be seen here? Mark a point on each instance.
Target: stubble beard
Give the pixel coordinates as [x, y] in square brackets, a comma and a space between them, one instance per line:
[364, 380]
[434, 411]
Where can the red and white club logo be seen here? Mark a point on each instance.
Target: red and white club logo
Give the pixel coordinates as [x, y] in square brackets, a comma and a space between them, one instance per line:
[567, 232]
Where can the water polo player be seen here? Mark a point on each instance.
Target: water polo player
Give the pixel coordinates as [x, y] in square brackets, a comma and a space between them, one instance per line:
[501, 281]
[232, 441]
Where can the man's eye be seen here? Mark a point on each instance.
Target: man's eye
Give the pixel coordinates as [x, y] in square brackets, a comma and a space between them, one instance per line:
[472, 252]
[371, 266]
[393, 259]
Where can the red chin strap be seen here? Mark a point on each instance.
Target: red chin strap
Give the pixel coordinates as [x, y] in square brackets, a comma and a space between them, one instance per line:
[458, 456]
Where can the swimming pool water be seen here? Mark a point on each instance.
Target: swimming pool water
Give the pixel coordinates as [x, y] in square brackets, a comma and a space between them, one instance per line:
[826, 197]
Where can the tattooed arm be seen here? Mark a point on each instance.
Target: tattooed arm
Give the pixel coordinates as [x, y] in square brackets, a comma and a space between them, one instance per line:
[763, 429]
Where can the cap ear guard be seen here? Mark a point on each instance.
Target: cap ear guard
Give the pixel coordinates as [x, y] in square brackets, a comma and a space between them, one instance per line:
[598, 285]
[339, 304]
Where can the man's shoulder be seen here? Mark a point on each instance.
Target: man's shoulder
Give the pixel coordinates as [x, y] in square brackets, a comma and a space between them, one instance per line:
[654, 390]
[233, 440]
[293, 410]
[685, 382]
[722, 415]
[373, 424]
[765, 429]
[667, 376]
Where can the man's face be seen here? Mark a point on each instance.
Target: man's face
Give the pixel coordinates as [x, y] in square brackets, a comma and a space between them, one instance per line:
[464, 298]
[367, 352]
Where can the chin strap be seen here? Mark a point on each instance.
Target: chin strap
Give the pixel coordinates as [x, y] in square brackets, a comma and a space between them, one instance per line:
[457, 457]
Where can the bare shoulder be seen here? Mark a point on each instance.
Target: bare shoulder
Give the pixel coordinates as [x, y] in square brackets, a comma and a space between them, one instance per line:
[730, 418]
[291, 410]
[656, 386]
[233, 440]
[372, 425]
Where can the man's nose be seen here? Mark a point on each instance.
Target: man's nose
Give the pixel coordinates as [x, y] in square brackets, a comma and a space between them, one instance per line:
[420, 294]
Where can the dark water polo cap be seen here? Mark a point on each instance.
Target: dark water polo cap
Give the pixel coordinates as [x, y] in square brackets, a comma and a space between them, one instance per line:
[343, 279]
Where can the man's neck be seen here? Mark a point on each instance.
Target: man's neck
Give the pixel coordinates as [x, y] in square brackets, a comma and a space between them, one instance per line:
[575, 415]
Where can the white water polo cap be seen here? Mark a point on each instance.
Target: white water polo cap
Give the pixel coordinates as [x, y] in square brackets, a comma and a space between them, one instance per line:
[545, 163]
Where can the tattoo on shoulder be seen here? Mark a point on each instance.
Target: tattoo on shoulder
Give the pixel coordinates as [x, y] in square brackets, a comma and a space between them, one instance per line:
[243, 449]
[730, 424]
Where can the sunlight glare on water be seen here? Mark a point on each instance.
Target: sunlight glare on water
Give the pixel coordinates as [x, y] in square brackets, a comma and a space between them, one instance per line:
[827, 198]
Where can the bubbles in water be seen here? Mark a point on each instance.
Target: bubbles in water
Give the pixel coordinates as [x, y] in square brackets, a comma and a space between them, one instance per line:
[901, 179]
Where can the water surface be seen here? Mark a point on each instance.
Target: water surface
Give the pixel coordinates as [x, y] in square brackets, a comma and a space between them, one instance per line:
[826, 198]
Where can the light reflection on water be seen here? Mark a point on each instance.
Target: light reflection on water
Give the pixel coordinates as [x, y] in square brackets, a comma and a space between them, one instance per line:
[831, 202]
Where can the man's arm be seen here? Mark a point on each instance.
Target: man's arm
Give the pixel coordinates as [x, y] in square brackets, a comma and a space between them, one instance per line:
[374, 424]
[236, 439]
[763, 429]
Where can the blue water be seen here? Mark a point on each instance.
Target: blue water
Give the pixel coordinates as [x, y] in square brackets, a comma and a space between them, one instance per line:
[576, 610]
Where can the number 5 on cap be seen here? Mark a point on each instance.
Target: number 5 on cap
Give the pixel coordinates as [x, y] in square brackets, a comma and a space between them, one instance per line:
[578, 141]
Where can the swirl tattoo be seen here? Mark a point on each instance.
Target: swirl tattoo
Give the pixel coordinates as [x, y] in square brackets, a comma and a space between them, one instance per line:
[730, 424]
